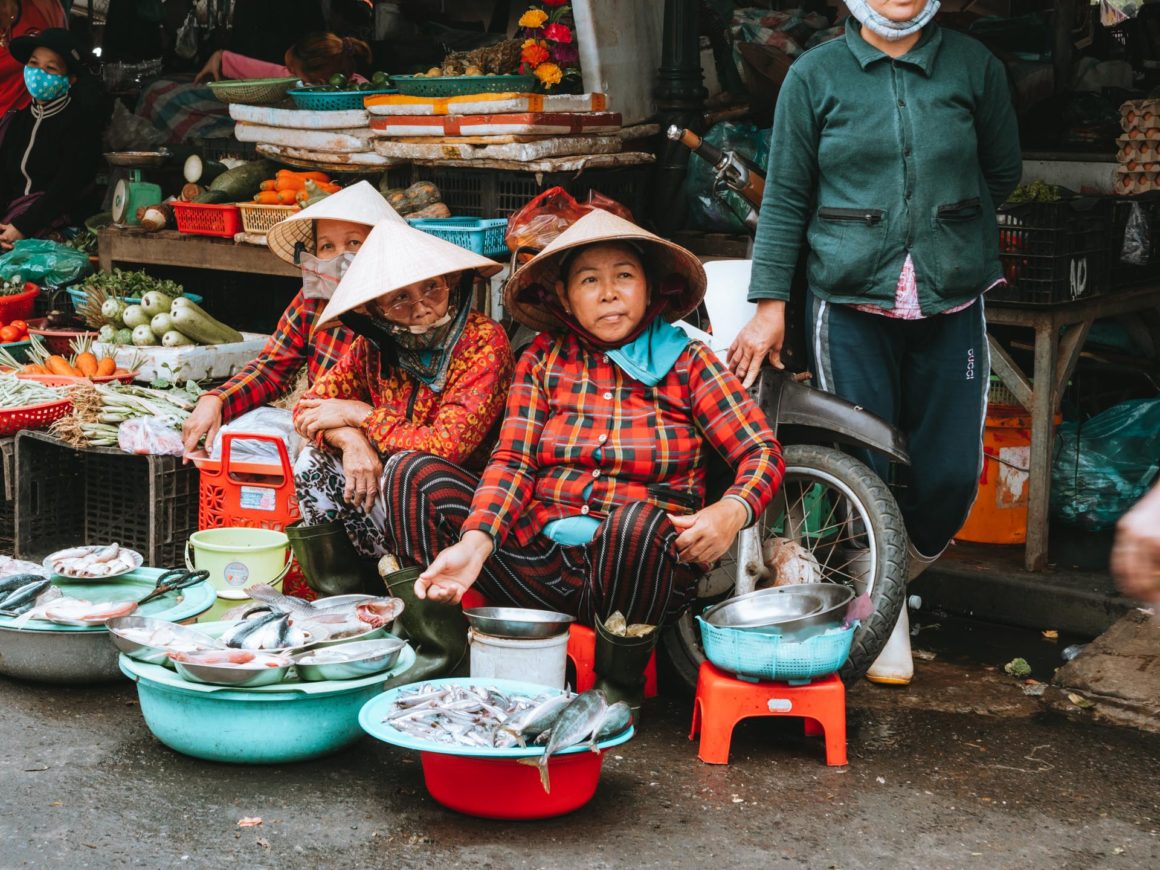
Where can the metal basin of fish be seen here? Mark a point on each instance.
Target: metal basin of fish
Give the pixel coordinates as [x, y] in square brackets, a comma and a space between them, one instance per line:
[348, 661]
[149, 640]
[234, 676]
[518, 622]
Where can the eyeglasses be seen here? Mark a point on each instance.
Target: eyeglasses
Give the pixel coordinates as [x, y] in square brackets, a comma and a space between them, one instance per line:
[403, 306]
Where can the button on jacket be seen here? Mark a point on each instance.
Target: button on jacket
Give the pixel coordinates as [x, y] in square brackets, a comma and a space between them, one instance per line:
[874, 158]
[581, 437]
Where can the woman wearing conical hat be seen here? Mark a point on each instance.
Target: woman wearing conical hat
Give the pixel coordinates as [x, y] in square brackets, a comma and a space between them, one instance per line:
[593, 500]
[425, 373]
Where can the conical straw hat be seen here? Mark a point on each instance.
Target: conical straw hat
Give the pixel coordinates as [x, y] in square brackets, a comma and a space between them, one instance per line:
[360, 203]
[394, 255]
[529, 295]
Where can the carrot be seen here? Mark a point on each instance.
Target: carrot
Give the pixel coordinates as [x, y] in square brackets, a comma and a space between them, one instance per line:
[34, 369]
[267, 197]
[288, 197]
[304, 174]
[268, 184]
[291, 182]
[107, 366]
[86, 363]
[58, 365]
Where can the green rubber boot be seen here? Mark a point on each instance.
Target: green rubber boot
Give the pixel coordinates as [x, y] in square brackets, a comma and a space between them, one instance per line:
[329, 561]
[620, 663]
[436, 630]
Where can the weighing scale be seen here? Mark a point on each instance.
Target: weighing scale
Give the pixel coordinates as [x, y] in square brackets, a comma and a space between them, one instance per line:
[131, 193]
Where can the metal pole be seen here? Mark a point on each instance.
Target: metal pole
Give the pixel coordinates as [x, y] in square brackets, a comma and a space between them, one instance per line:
[680, 100]
[1061, 49]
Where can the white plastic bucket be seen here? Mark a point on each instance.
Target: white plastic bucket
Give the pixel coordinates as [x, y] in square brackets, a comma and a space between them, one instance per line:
[533, 660]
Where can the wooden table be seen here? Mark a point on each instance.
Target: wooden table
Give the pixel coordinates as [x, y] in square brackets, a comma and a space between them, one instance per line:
[1060, 332]
[170, 248]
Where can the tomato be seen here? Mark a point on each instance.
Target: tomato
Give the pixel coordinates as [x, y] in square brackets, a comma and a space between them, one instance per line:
[8, 334]
[20, 326]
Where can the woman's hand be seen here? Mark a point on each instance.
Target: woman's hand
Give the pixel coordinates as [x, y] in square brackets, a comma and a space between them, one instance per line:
[455, 569]
[212, 69]
[205, 420]
[762, 336]
[361, 466]
[9, 235]
[708, 534]
[319, 415]
[1136, 552]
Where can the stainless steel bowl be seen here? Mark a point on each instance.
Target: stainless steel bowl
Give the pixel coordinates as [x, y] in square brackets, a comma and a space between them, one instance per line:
[361, 659]
[338, 600]
[234, 676]
[790, 611]
[167, 636]
[369, 634]
[517, 622]
[68, 657]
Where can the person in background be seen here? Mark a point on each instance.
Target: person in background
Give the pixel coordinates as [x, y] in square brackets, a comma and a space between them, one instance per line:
[1136, 551]
[22, 18]
[322, 240]
[51, 148]
[314, 59]
[892, 148]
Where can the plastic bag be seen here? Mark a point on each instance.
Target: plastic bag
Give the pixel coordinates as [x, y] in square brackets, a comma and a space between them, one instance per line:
[1104, 466]
[549, 214]
[185, 45]
[276, 422]
[706, 210]
[1137, 247]
[47, 263]
[129, 132]
[150, 435]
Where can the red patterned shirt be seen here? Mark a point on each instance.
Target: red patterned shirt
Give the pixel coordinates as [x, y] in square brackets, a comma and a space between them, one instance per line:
[293, 344]
[409, 415]
[581, 437]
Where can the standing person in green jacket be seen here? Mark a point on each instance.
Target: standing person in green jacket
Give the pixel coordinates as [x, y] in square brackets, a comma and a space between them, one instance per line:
[891, 149]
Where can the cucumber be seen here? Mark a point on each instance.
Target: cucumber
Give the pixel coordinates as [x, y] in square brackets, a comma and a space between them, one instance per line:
[161, 324]
[173, 338]
[133, 316]
[189, 318]
[155, 302]
[143, 336]
[238, 184]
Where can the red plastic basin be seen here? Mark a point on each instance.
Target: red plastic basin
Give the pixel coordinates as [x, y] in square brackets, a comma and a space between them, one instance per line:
[502, 788]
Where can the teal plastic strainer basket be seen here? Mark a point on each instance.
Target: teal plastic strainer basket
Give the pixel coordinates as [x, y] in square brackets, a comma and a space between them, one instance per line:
[754, 655]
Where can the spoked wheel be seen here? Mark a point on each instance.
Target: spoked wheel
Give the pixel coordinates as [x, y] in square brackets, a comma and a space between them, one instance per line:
[841, 512]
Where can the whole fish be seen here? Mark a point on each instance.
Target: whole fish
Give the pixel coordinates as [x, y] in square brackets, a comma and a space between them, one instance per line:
[78, 611]
[535, 721]
[23, 598]
[270, 631]
[12, 582]
[333, 622]
[617, 717]
[578, 722]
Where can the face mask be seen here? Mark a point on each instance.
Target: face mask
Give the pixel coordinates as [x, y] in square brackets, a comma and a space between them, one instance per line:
[45, 86]
[320, 277]
[426, 327]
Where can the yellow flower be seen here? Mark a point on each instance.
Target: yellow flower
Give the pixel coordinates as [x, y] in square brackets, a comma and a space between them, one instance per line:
[549, 74]
[533, 18]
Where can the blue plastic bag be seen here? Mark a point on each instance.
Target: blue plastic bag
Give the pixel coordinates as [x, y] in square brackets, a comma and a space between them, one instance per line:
[1104, 466]
[49, 264]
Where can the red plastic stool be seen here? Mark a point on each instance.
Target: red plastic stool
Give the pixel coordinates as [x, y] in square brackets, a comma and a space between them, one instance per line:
[582, 652]
[723, 700]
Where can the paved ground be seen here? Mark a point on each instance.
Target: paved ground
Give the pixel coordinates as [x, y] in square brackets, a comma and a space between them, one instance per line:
[961, 770]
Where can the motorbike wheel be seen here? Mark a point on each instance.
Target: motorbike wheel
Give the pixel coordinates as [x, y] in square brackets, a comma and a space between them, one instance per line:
[830, 499]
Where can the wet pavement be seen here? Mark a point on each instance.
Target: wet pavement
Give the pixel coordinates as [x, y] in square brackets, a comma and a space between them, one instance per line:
[959, 770]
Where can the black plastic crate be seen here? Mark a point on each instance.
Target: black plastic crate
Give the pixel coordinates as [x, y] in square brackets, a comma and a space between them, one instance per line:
[489, 193]
[1053, 252]
[8, 496]
[67, 497]
[1132, 274]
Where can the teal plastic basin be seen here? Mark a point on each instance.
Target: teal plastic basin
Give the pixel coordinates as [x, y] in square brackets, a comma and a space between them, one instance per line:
[290, 721]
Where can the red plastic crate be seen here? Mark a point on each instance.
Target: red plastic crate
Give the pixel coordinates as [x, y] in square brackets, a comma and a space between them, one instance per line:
[207, 219]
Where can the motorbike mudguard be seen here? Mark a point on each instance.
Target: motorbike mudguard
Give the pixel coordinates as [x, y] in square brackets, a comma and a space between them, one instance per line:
[825, 417]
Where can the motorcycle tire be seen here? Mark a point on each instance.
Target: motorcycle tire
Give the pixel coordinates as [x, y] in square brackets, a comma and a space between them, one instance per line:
[814, 466]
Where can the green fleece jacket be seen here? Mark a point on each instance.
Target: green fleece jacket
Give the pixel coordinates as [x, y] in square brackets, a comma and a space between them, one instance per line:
[874, 158]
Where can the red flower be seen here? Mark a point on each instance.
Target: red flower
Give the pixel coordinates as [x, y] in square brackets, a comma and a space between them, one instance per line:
[533, 53]
[554, 2]
[558, 33]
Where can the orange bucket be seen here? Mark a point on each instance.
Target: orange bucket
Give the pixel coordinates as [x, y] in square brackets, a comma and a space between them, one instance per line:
[999, 515]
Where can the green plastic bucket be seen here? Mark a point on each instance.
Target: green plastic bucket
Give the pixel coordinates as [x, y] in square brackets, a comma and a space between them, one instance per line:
[237, 558]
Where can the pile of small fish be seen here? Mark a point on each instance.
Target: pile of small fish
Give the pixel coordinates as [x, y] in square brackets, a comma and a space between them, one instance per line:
[29, 596]
[231, 658]
[481, 716]
[92, 563]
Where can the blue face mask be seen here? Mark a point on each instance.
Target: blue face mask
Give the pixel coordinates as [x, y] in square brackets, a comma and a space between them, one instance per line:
[45, 86]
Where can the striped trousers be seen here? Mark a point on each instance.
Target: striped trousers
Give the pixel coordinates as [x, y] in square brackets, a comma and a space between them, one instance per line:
[631, 565]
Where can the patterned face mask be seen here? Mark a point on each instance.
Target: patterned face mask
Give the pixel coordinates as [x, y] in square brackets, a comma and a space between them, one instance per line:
[45, 86]
[320, 277]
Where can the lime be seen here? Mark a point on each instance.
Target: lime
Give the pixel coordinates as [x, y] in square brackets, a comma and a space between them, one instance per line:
[380, 78]
[338, 80]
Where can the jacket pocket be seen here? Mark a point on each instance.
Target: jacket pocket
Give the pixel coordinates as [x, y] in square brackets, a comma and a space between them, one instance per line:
[847, 244]
[961, 249]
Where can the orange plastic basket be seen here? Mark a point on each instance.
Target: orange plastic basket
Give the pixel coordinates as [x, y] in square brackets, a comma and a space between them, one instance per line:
[13, 420]
[257, 218]
[207, 219]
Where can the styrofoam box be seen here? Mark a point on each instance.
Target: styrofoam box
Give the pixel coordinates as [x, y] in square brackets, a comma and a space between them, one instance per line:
[179, 364]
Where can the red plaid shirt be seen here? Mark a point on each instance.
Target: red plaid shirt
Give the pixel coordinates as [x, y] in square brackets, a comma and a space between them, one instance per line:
[574, 420]
[293, 344]
[408, 415]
